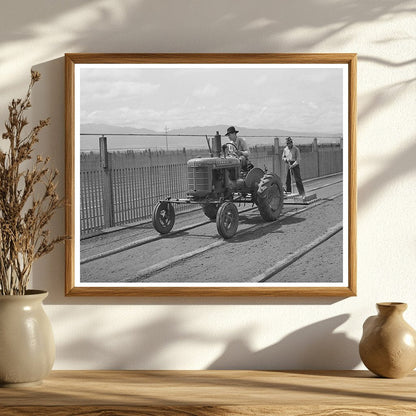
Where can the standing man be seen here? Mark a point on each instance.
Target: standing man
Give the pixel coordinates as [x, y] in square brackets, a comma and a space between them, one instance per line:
[291, 156]
[240, 144]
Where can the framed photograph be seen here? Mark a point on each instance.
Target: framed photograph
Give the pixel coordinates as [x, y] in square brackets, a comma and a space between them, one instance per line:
[211, 174]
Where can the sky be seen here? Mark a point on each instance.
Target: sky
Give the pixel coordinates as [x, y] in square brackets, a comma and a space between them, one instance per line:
[306, 99]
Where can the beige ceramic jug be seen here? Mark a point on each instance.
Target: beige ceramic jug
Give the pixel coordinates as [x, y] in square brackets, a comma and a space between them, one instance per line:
[388, 345]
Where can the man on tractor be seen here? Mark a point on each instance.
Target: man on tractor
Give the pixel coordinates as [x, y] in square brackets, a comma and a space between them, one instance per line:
[240, 147]
[217, 183]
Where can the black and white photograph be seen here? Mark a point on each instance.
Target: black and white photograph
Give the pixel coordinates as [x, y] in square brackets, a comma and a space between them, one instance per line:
[211, 176]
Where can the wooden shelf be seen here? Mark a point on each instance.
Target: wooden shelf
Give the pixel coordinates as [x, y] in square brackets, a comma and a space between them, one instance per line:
[203, 393]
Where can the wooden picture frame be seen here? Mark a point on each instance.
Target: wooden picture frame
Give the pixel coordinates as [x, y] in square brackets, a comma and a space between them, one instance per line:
[94, 93]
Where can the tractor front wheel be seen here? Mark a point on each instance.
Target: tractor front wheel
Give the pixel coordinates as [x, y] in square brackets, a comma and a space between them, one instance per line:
[227, 220]
[269, 197]
[163, 217]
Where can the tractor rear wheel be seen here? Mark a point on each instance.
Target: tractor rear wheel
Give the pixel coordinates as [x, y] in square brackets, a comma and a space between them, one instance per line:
[269, 197]
[210, 210]
[227, 220]
[163, 217]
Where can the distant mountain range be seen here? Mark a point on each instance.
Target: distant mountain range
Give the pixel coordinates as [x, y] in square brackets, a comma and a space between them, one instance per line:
[129, 138]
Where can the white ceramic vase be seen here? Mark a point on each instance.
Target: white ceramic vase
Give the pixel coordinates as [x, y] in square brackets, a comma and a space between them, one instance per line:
[27, 346]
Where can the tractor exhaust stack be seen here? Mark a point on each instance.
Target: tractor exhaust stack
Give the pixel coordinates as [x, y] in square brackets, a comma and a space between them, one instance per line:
[216, 145]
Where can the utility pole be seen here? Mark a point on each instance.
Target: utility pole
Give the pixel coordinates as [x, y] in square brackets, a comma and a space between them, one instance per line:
[166, 137]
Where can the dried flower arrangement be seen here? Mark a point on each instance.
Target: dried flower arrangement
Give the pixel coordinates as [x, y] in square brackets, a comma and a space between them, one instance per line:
[28, 199]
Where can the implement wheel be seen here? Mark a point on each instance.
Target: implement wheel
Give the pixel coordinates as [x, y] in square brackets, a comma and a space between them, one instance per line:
[269, 197]
[163, 217]
[227, 220]
[210, 210]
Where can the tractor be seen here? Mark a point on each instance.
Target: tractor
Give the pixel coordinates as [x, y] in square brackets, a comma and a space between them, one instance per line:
[219, 182]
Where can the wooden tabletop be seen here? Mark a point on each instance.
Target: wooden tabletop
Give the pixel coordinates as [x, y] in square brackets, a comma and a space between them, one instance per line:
[203, 393]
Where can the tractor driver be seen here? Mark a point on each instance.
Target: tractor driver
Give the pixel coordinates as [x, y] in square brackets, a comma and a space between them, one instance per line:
[240, 144]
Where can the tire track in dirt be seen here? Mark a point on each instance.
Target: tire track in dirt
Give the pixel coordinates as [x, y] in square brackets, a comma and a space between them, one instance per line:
[328, 269]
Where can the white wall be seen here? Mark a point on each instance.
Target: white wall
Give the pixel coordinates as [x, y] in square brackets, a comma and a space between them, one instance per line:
[200, 333]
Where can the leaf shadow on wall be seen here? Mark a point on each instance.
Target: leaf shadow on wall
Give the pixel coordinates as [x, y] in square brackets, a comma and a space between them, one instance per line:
[106, 26]
[401, 163]
[149, 346]
[313, 347]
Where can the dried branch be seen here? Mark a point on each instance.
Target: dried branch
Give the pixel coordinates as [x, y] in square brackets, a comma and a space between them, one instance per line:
[23, 218]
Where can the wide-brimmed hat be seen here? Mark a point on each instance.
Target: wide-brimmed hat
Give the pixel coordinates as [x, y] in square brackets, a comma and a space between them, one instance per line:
[231, 129]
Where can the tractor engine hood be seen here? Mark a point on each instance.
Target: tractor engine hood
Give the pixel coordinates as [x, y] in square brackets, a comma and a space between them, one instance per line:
[214, 162]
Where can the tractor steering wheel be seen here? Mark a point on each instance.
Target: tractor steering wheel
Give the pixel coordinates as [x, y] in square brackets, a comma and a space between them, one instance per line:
[228, 151]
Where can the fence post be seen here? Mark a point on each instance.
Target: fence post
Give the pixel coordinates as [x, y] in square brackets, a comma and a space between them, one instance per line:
[108, 208]
[315, 149]
[276, 156]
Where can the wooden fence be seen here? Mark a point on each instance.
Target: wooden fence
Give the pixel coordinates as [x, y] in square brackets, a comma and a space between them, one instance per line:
[118, 188]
